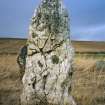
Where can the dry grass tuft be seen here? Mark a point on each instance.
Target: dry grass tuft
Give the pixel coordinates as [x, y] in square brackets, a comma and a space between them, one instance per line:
[88, 82]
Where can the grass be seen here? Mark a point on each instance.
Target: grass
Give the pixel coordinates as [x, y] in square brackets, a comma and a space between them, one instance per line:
[10, 85]
[88, 85]
[88, 82]
[11, 46]
[89, 46]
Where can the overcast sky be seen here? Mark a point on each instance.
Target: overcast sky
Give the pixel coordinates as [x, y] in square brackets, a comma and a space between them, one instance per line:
[87, 18]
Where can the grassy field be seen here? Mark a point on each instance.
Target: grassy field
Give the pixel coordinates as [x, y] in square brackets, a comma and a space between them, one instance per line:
[10, 84]
[88, 85]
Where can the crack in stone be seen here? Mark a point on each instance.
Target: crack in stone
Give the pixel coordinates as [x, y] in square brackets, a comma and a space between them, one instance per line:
[49, 51]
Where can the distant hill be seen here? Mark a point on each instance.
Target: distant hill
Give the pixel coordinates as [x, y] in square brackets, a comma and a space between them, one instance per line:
[13, 45]
[89, 46]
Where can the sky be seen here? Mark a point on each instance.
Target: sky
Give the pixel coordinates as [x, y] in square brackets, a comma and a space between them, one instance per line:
[87, 18]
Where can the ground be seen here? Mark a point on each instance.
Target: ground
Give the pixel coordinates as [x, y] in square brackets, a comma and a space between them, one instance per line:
[88, 85]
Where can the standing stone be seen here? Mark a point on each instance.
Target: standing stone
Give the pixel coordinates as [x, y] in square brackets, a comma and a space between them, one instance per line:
[47, 78]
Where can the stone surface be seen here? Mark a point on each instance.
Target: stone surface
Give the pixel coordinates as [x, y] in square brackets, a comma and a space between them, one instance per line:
[21, 60]
[48, 72]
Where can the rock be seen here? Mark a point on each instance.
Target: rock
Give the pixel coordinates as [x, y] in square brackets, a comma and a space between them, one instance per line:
[100, 65]
[48, 70]
[21, 60]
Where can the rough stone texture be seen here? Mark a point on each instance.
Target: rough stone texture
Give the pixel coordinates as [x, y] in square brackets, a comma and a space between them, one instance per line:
[48, 72]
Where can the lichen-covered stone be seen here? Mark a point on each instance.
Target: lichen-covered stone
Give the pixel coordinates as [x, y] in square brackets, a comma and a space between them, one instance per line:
[47, 77]
[21, 60]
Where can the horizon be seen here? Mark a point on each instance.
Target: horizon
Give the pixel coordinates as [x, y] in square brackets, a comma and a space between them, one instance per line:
[87, 19]
[17, 38]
